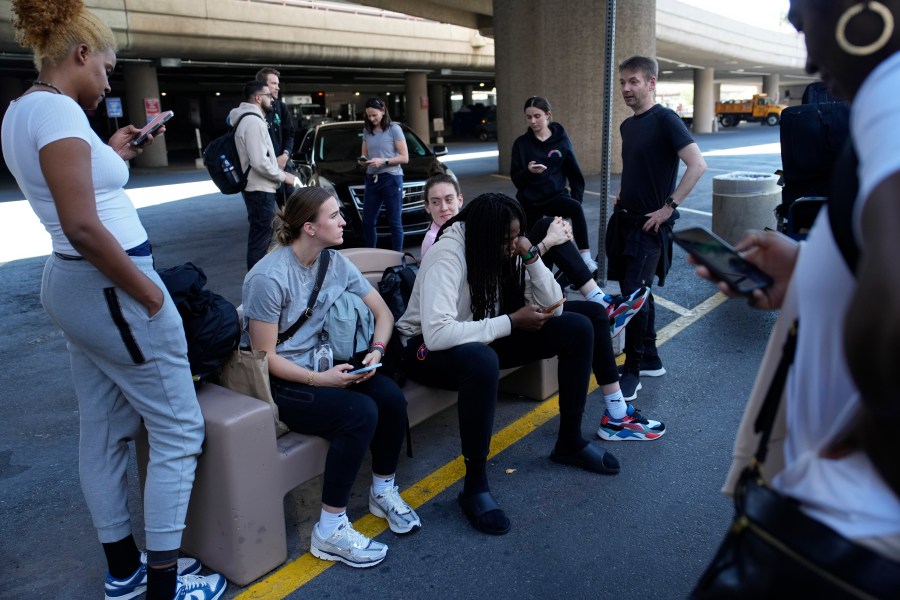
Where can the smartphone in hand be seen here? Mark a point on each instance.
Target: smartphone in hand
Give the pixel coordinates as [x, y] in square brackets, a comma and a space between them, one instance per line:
[550, 309]
[151, 127]
[363, 369]
[723, 262]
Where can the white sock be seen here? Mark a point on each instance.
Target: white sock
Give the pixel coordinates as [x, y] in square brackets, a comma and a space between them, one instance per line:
[615, 405]
[328, 522]
[381, 485]
[597, 295]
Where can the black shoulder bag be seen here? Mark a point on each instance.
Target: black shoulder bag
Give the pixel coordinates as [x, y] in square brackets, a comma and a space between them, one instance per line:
[324, 259]
[773, 549]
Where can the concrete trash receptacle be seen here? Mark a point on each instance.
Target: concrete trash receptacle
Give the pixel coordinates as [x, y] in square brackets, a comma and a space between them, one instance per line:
[743, 200]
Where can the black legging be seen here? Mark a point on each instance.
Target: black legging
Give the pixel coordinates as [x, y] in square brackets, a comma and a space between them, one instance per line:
[566, 257]
[562, 206]
[474, 370]
[369, 414]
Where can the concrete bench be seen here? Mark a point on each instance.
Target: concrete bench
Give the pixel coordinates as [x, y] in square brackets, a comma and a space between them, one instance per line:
[235, 521]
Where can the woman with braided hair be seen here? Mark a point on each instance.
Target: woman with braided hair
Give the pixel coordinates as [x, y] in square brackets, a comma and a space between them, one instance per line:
[483, 301]
[124, 335]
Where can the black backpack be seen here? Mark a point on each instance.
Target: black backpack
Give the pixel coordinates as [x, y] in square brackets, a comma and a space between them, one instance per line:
[211, 324]
[396, 285]
[222, 161]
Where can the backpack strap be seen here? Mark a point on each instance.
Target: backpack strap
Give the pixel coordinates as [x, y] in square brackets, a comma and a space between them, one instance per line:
[844, 190]
[324, 259]
[234, 131]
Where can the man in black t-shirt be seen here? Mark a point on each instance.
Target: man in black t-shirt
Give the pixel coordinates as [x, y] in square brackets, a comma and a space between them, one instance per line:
[639, 244]
[281, 128]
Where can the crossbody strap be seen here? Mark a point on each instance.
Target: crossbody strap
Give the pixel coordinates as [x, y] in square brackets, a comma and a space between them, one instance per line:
[766, 417]
[324, 259]
[841, 200]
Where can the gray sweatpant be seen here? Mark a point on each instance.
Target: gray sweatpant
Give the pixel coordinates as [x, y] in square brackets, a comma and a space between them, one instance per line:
[127, 366]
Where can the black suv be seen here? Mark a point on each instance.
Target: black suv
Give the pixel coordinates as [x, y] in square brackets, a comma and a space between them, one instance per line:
[327, 159]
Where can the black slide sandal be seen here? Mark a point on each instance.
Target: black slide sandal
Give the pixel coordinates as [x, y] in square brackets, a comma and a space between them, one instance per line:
[477, 506]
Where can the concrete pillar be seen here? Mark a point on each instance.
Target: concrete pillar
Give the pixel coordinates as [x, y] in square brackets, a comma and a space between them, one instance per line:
[141, 83]
[417, 103]
[770, 85]
[717, 93]
[436, 104]
[541, 50]
[467, 94]
[704, 103]
[635, 34]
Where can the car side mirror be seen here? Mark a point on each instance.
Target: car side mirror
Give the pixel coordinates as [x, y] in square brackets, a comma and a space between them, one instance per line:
[440, 150]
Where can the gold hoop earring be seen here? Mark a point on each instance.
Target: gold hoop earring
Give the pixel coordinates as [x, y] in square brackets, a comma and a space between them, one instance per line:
[840, 33]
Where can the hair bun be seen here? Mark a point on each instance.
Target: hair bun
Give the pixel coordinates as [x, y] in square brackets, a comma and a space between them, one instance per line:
[36, 21]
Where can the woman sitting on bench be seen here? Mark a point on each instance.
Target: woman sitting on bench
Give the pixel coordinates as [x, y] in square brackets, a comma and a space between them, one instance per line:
[352, 411]
[483, 301]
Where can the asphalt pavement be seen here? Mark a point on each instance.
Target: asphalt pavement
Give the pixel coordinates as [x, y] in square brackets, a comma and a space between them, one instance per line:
[645, 533]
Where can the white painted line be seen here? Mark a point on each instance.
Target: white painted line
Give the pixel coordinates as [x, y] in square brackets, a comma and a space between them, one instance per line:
[773, 148]
[694, 211]
[675, 308]
[468, 156]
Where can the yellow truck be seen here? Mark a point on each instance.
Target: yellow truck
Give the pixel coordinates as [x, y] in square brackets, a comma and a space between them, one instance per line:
[760, 108]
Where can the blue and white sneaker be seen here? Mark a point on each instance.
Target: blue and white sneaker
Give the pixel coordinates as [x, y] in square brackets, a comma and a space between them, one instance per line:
[620, 310]
[122, 589]
[195, 587]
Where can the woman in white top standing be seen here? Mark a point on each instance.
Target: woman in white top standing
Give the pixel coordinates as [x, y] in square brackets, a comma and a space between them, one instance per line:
[384, 150]
[124, 335]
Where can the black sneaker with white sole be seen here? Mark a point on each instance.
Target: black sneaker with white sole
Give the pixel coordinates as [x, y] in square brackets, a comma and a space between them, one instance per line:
[630, 383]
[651, 366]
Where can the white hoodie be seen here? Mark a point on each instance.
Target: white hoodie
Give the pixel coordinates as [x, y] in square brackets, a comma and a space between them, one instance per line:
[440, 307]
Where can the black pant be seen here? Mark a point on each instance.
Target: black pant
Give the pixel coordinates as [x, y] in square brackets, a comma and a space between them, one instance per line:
[562, 206]
[369, 414]
[567, 258]
[260, 213]
[640, 333]
[474, 370]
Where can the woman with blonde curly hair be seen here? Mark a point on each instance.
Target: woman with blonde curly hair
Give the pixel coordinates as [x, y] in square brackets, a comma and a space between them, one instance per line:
[126, 342]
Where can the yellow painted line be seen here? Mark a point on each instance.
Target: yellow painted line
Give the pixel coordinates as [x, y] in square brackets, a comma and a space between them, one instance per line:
[499, 176]
[675, 308]
[305, 568]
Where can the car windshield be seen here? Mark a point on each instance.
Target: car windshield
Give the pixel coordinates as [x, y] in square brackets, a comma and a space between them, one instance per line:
[342, 143]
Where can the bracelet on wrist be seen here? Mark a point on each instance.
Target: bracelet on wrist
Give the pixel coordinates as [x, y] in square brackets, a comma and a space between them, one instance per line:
[380, 347]
[310, 377]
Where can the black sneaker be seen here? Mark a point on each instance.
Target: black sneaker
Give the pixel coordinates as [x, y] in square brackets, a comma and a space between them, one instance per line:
[630, 382]
[651, 366]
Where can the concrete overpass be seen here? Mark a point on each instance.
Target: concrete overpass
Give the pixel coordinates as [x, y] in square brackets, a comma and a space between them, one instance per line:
[418, 49]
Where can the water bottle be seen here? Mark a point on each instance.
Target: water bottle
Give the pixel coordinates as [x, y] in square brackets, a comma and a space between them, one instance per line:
[323, 359]
[227, 168]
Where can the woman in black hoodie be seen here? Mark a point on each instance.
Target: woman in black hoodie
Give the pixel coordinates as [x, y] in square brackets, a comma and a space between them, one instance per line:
[543, 162]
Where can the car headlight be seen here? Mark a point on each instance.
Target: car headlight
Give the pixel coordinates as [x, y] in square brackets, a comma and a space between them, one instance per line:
[325, 184]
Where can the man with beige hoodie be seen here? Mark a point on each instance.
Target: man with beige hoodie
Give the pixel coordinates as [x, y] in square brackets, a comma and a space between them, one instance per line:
[254, 147]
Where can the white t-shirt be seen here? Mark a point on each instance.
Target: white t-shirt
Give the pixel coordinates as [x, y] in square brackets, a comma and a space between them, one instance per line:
[846, 494]
[41, 118]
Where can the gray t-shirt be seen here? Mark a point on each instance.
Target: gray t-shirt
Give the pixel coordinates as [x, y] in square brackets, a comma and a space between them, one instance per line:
[277, 289]
[380, 144]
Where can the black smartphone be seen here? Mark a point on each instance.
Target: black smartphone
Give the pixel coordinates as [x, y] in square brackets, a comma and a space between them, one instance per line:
[722, 260]
[151, 127]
